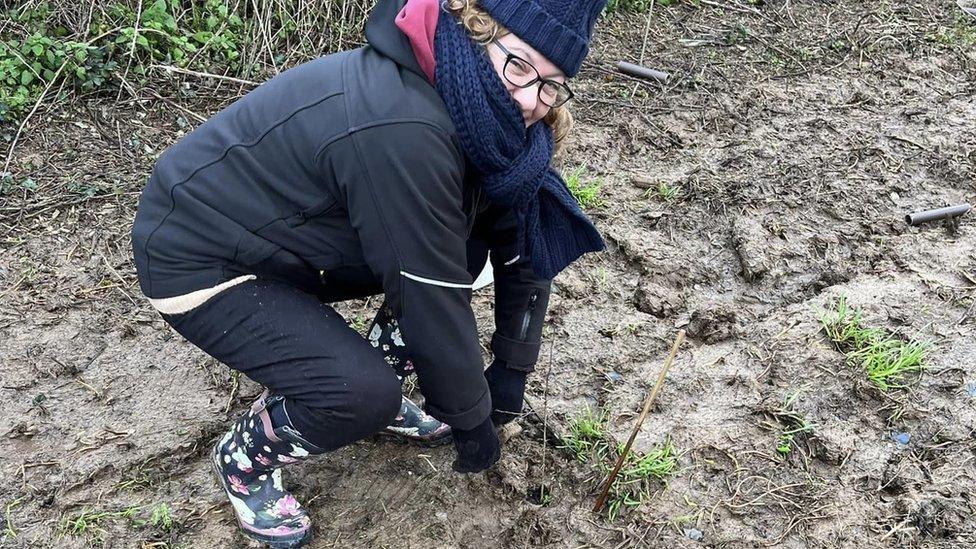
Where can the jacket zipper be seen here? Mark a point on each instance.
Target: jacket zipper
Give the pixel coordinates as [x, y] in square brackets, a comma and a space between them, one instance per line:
[528, 313]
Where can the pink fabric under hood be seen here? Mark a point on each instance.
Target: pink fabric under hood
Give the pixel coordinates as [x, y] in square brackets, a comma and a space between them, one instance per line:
[418, 20]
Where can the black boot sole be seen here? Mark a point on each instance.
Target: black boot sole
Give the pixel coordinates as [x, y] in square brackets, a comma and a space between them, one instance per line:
[406, 440]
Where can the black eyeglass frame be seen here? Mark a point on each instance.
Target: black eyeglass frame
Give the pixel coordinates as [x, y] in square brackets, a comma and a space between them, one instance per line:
[538, 77]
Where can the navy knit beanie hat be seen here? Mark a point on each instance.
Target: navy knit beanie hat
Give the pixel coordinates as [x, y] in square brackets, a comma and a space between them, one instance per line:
[559, 29]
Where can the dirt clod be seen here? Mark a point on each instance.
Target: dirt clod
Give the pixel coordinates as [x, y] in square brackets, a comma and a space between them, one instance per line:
[750, 242]
[713, 322]
[657, 300]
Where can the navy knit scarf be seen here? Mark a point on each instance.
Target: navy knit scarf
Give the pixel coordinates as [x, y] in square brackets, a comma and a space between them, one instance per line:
[511, 160]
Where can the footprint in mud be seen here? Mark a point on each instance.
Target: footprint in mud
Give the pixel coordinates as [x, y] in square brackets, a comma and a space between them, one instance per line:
[657, 300]
[533, 528]
[713, 322]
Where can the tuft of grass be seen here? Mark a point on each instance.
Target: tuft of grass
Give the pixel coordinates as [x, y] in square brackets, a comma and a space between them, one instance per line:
[790, 423]
[589, 442]
[664, 191]
[161, 517]
[586, 435]
[359, 323]
[634, 482]
[585, 193]
[885, 359]
[88, 523]
[961, 33]
[888, 361]
[140, 480]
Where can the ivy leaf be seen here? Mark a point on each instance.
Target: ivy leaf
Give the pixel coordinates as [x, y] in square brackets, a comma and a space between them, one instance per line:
[26, 77]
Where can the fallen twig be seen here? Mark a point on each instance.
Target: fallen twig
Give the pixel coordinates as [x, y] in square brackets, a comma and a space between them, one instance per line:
[170, 68]
[640, 420]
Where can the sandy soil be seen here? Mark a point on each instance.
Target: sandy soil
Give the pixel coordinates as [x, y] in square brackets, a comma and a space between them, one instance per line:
[797, 135]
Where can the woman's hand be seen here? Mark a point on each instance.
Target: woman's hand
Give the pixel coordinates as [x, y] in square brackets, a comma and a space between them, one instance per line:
[477, 449]
[507, 388]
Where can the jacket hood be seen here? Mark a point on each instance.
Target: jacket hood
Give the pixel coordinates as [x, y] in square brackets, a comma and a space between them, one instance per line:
[384, 36]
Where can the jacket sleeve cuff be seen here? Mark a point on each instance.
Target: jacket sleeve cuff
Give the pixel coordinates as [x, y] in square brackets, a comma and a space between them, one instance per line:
[467, 419]
[517, 355]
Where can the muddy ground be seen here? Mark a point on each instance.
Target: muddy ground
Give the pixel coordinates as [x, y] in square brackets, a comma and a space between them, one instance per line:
[797, 134]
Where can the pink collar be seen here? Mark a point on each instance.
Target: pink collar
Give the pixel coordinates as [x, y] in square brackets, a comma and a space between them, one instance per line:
[418, 20]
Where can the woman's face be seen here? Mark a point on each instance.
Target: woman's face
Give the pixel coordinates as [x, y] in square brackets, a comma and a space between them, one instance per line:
[527, 99]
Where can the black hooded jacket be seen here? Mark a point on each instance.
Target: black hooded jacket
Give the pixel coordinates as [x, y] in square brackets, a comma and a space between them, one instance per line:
[345, 177]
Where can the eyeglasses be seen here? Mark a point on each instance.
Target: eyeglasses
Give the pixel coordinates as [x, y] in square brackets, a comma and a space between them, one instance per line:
[522, 74]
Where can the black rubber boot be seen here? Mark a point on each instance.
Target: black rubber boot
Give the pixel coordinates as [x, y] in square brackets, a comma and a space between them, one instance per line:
[247, 461]
[412, 424]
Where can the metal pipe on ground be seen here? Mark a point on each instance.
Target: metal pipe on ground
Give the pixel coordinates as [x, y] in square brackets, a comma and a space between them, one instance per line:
[642, 72]
[926, 216]
[967, 9]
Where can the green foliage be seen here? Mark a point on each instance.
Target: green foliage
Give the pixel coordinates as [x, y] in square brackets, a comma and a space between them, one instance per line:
[153, 35]
[664, 192]
[885, 359]
[589, 442]
[161, 517]
[8, 184]
[790, 424]
[29, 15]
[28, 65]
[9, 529]
[738, 35]
[961, 33]
[88, 523]
[635, 481]
[159, 36]
[586, 431]
[585, 193]
[359, 322]
[216, 28]
[208, 33]
[84, 189]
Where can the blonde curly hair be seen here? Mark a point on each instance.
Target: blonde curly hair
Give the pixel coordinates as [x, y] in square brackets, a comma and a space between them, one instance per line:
[483, 29]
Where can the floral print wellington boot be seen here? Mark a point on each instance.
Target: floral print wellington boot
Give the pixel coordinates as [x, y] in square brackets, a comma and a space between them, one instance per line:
[412, 424]
[247, 461]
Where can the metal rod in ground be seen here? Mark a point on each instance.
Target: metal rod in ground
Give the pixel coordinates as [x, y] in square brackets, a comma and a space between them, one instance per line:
[640, 420]
[970, 11]
[949, 212]
[642, 72]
